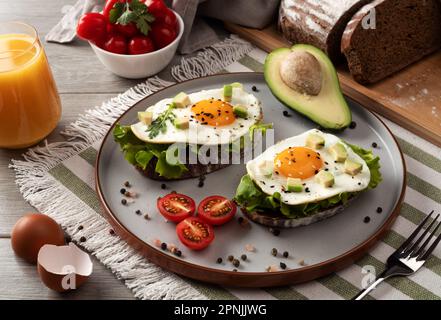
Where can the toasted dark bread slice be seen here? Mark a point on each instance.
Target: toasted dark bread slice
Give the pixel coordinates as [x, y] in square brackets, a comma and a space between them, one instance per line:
[277, 220]
[194, 170]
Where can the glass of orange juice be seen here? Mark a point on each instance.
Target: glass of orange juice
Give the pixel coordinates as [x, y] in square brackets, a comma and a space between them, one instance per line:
[30, 106]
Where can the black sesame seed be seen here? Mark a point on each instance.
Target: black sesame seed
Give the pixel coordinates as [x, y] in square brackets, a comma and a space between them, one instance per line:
[353, 125]
[178, 253]
[83, 239]
[124, 201]
[359, 183]
[282, 266]
[379, 210]
[112, 232]
[374, 145]
[122, 191]
[307, 190]
[243, 257]
[219, 260]
[366, 219]
[163, 186]
[236, 263]
[230, 258]
[254, 88]
[163, 246]
[274, 251]
[80, 227]
[285, 254]
[286, 114]
[138, 212]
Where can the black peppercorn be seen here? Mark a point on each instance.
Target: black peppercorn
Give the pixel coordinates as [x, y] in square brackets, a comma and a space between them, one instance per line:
[374, 145]
[282, 265]
[178, 253]
[285, 254]
[122, 191]
[379, 210]
[236, 263]
[286, 114]
[124, 201]
[138, 212]
[219, 260]
[353, 125]
[254, 88]
[366, 219]
[163, 246]
[230, 258]
[243, 257]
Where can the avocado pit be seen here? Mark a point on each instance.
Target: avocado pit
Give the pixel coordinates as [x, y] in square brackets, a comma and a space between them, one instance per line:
[302, 72]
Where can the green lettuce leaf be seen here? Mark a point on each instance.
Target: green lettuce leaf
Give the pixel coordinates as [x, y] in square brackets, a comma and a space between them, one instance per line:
[140, 153]
[251, 197]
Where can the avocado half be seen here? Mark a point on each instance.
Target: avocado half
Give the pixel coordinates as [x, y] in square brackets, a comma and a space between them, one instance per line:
[329, 108]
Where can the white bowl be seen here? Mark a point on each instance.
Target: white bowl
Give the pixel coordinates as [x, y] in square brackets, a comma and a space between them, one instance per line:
[140, 65]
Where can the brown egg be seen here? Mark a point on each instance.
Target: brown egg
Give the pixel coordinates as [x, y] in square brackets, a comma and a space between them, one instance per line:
[63, 268]
[33, 231]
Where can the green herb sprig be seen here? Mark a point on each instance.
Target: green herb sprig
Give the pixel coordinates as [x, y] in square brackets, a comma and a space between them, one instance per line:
[134, 11]
[159, 124]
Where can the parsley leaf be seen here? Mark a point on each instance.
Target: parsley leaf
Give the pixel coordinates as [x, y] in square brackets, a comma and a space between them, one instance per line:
[116, 12]
[134, 12]
[159, 124]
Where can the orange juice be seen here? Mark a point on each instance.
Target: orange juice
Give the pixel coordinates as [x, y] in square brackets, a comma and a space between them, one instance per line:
[29, 103]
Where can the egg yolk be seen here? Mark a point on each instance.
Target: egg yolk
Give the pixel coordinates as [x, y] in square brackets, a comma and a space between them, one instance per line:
[298, 162]
[212, 112]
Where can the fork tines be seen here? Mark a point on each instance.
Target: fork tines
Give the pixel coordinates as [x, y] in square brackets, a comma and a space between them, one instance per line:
[412, 249]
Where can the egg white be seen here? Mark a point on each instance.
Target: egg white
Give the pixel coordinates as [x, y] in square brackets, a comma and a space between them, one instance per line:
[203, 134]
[343, 181]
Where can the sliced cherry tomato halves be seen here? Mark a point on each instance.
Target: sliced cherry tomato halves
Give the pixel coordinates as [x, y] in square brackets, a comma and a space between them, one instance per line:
[176, 207]
[194, 233]
[92, 26]
[216, 210]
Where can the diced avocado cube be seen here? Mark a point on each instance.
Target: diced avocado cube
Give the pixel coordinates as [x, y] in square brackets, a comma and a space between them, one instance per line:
[266, 168]
[339, 152]
[181, 100]
[353, 167]
[145, 117]
[325, 178]
[294, 185]
[228, 92]
[315, 141]
[182, 123]
[237, 85]
[240, 111]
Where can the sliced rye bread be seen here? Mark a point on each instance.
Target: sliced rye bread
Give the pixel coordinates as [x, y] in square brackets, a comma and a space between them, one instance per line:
[194, 170]
[277, 220]
[318, 22]
[406, 31]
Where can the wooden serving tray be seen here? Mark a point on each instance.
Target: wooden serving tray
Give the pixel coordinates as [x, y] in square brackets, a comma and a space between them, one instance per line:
[411, 98]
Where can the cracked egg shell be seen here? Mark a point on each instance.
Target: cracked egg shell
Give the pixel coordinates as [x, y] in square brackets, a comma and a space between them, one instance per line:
[63, 268]
[31, 232]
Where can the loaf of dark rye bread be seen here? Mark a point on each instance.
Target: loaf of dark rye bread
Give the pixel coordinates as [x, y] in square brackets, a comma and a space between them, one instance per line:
[318, 22]
[405, 31]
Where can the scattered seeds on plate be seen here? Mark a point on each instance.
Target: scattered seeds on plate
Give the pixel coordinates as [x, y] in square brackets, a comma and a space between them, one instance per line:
[282, 265]
[379, 210]
[243, 257]
[285, 254]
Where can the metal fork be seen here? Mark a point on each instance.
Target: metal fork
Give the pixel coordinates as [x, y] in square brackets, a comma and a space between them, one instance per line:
[409, 257]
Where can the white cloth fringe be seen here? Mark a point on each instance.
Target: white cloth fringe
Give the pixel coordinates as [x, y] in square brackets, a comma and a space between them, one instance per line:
[41, 190]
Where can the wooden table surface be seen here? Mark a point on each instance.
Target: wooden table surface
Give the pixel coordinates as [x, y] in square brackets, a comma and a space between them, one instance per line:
[83, 84]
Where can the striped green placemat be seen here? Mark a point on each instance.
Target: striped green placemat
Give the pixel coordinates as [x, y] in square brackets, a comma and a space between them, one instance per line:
[58, 179]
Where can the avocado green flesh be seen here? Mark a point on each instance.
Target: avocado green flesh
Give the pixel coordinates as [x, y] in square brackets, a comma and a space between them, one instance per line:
[329, 109]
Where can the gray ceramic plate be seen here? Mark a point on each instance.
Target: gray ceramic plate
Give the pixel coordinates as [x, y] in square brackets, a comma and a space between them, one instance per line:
[325, 246]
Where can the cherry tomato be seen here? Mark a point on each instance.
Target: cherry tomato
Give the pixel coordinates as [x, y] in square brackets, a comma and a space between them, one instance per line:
[128, 30]
[170, 19]
[162, 35]
[116, 44]
[216, 210]
[158, 9]
[111, 30]
[176, 207]
[194, 233]
[91, 26]
[109, 6]
[140, 45]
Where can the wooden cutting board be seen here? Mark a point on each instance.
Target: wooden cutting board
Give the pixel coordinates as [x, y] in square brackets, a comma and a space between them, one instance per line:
[411, 98]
